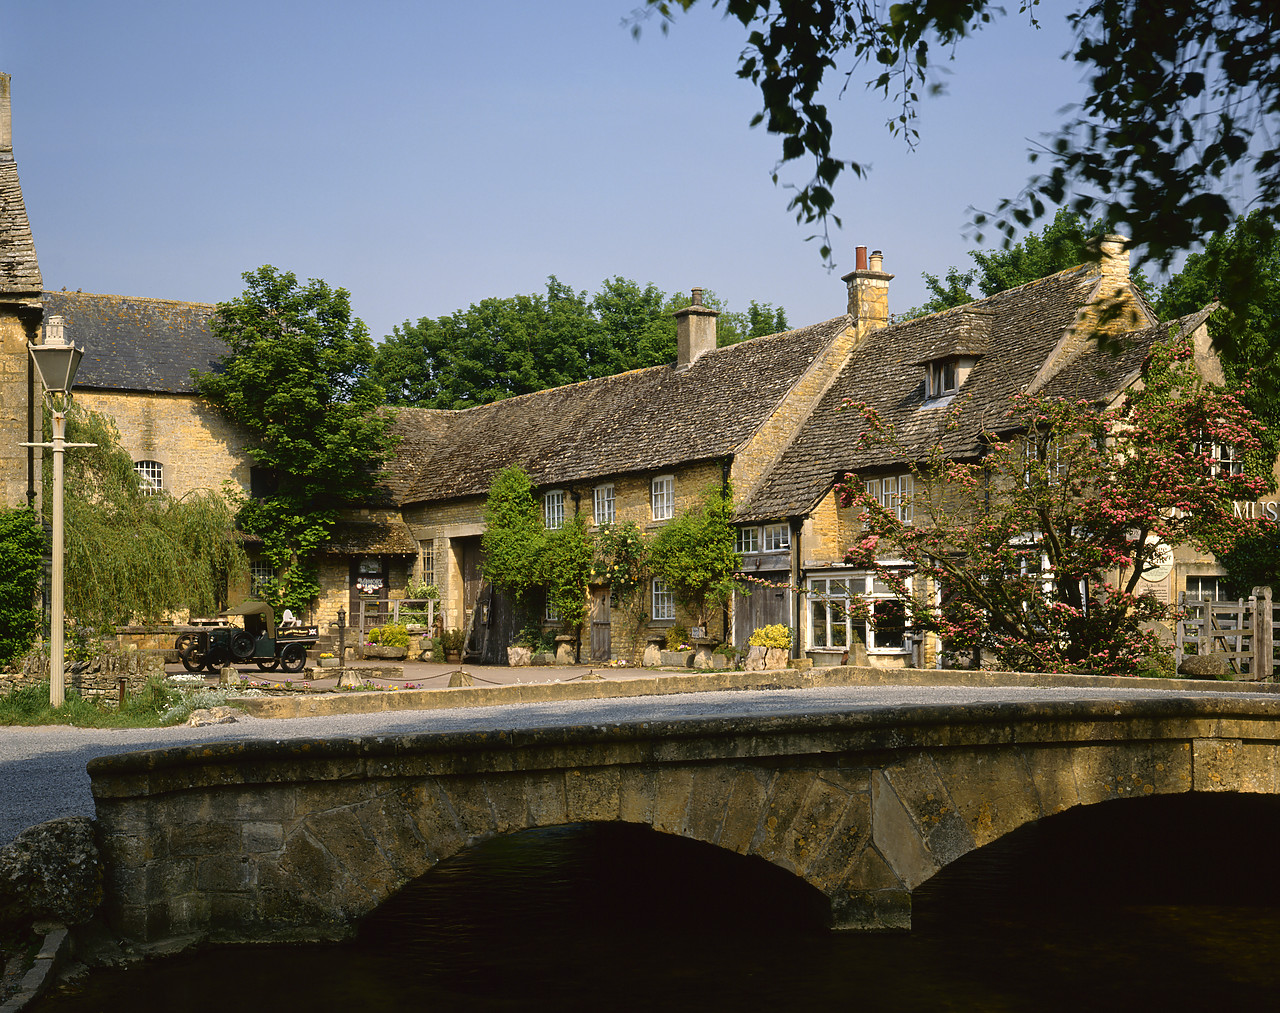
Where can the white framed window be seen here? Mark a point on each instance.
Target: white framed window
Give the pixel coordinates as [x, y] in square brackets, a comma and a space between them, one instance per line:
[776, 537]
[150, 476]
[1055, 467]
[831, 624]
[553, 509]
[427, 558]
[1206, 588]
[551, 614]
[748, 541]
[662, 494]
[943, 378]
[604, 504]
[260, 573]
[894, 493]
[664, 602]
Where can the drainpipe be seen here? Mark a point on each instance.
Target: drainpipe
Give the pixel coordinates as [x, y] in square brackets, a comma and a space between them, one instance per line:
[796, 525]
[725, 465]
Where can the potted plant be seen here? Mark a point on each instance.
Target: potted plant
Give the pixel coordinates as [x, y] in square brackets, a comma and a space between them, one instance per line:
[327, 660]
[452, 641]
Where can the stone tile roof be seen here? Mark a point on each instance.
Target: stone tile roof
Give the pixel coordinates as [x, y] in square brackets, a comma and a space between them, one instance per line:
[137, 344]
[644, 420]
[19, 269]
[1016, 331]
[360, 538]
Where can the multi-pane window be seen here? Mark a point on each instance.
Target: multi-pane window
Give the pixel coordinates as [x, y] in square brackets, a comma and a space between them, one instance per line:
[944, 376]
[1054, 465]
[748, 541]
[832, 624]
[260, 573]
[553, 509]
[664, 602]
[776, 537]
[427, 556]
[894, 494]
[150, 476]
[1205, 588]
[1224, 459]
[662, 493]
[604, 512]
[552, 614]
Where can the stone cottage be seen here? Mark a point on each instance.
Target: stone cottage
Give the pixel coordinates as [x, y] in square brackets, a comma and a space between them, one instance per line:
[1038, 338]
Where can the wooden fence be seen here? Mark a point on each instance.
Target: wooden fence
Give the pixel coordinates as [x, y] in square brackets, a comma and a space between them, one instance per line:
[1242, 632]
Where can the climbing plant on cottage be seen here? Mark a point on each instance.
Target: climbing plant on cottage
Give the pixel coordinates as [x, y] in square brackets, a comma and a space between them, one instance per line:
[1037, 551]
[695, 554]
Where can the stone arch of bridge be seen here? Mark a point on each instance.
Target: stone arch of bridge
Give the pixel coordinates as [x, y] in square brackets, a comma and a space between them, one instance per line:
[289, 840]
[865, 836]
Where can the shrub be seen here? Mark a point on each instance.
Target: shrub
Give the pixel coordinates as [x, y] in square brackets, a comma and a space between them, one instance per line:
[452, 641]
[394, 635]
[677, 637]
[776, 635]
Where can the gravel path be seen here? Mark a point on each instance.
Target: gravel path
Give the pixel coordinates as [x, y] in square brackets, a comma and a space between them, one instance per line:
[42, 770]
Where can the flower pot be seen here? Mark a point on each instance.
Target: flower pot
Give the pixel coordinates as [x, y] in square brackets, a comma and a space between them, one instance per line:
[453, 657]
[328, 662]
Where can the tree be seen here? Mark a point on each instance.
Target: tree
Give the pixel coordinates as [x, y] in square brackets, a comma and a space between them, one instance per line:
[131, 555]
[1183, 98]
[21, 548]
[1039, 548]
[500, 348]
[695, 554]
[514, 537]
[1061, 244]
[296, 376]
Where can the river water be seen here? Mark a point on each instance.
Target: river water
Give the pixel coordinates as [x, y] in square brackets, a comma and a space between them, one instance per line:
[1162, 903]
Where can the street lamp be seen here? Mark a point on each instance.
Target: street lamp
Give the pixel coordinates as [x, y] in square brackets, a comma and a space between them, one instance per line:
[55, 363]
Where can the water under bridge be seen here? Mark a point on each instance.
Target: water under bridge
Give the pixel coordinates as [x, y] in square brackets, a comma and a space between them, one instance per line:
[300, 839]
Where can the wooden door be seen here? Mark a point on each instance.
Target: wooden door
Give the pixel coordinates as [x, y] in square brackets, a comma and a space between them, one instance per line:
[368, 586]
[601, 635]
[764, 606]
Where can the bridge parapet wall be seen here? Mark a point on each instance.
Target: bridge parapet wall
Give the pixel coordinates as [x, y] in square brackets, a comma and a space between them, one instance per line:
[299, 840]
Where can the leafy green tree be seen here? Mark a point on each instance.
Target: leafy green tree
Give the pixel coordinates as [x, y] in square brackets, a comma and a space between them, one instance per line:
[1183, 98]
[21, 549]
[133, 556]
[1063, 243]
[500, 348]
[296, 376]
[695, 554]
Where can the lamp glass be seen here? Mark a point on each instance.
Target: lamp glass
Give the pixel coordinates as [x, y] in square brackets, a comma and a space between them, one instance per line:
[56, 364]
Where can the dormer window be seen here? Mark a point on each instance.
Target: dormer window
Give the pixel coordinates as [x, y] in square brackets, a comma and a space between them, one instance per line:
[943, 378]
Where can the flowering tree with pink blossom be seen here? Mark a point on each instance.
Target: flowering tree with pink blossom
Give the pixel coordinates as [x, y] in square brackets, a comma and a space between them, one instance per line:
[1033, 555]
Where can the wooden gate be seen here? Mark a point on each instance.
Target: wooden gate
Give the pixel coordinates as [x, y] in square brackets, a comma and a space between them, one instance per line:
[1241, 631]
[601, 631]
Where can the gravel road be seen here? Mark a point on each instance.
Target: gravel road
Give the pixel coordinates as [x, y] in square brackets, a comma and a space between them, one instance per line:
[42, 770]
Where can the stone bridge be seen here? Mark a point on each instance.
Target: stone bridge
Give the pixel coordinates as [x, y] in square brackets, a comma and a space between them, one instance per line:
[300, 839]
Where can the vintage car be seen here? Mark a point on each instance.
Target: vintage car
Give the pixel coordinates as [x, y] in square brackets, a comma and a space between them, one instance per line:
[257, 640]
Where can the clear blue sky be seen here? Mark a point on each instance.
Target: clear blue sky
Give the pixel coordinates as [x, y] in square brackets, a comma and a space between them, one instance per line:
[426, 155]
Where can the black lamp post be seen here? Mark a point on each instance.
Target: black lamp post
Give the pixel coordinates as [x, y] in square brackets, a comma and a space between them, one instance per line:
[342, 637]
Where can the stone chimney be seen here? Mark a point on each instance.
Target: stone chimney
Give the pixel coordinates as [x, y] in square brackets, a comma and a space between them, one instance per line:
[1113, 260]
[869, 291]
[6, 121]
[695, 331]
